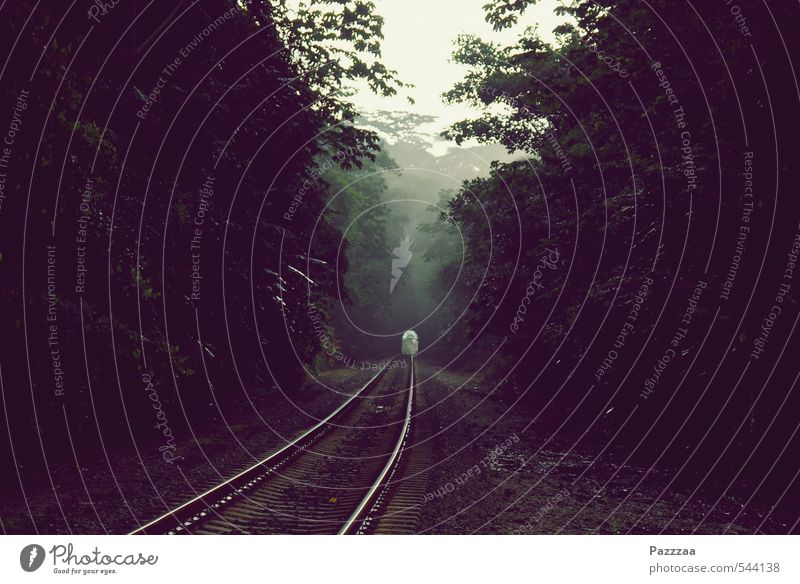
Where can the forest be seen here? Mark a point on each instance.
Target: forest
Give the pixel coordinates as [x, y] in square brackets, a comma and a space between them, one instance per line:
[195, 211]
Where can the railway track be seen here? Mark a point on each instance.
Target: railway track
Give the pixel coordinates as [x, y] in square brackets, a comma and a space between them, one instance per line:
[340, 476]
[395, 506]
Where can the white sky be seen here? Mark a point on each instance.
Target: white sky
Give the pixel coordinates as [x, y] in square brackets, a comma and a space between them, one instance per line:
[418, 43]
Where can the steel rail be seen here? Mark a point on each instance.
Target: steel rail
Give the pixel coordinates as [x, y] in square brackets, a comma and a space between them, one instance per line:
[356, 516]
[221, 492]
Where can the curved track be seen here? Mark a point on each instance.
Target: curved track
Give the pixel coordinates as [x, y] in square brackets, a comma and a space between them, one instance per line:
[334, 478]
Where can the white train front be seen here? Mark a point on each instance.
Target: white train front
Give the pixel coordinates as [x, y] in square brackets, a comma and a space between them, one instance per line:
[410, 343]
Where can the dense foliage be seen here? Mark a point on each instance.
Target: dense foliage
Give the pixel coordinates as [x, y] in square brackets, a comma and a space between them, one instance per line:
[631, 197]
[163, 217]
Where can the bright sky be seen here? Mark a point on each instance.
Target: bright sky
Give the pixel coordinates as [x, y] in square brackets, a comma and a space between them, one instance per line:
[418, 44]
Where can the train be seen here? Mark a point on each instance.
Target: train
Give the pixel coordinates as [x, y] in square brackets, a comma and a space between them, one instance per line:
[410, 343]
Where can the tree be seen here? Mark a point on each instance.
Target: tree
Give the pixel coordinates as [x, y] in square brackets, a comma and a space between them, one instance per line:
[635, 150]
